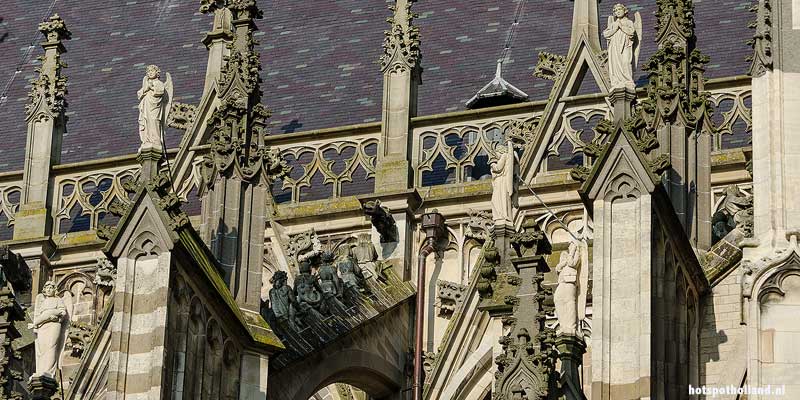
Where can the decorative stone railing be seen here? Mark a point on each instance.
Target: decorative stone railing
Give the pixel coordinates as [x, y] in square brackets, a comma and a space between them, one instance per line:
[82, 200]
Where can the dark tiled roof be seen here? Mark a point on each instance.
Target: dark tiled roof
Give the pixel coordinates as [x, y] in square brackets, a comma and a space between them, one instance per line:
[320, 59]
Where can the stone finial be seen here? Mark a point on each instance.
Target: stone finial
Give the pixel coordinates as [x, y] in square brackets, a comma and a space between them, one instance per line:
[401, 46]
[49, 90]
[54, 29]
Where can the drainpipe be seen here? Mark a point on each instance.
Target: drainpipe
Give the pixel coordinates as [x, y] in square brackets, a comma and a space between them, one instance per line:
[433, 225]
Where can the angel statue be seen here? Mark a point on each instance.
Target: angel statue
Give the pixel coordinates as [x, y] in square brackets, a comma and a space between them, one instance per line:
[155, 101]
[50, 323]
[570, 294]
[624, 37]
[504, 166]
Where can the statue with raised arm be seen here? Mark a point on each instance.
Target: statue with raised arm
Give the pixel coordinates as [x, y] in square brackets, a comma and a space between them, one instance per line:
[155, 101]
[624, 37]
[504, 166]
[570, 294]
[50, 320]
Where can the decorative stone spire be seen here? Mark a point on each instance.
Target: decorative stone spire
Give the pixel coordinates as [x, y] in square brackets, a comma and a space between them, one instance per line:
[48, 94]
[240, 168]
[585, 23]
[677, 111]
[46, 126]
[401, 76]
[762, 38]
[497, 92]
[401, 47]
[217, 41]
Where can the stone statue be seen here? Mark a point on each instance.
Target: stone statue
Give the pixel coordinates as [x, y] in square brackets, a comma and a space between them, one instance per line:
[624, 37]
[352, 277]
[365, 255]
[50, 321]
[328, 279]
[306, 289]
[504, 167]
[155, 101]
[570, 294]
[281, 298]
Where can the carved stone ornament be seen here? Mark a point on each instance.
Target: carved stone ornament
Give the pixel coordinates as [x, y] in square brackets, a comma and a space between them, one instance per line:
[735, 212]
[531, 241]
[382, 220]
[304, 246]
[79, 335]
[761, 60]
[450, 295]
[550, 66]
[487, 270]
[181, 116]
[105, 273]
[401, 45]
[479, 226]
[48, 95]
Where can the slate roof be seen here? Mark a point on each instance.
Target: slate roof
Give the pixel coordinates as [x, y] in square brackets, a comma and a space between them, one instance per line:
[320, 59]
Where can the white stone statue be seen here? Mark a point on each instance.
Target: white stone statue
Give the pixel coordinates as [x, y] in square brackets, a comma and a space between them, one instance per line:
[624, 37]
[50, 323]
[570, 294]
[504, 167]
[155, 101]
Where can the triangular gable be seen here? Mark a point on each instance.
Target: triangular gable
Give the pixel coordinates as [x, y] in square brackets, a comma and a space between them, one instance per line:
[619, 157]
[166, 226]
[582, 63]
[143, 215]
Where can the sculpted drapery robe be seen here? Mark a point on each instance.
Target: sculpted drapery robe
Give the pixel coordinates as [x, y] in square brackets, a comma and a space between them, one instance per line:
[621, 35]
[48, 322]
[503, 193]
[151, 112]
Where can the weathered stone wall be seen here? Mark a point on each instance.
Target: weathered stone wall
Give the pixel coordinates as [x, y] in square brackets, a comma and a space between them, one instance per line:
[722, 338]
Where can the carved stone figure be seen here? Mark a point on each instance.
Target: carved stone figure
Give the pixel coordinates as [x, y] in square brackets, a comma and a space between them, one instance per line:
[49, 323]
[328, 279]
[623, 37]
[155, 101]
[479, 225]
[306, 289]
[106, 272]
[366, 256]
[352, 277]
[304, 246]
[567, 296]
[382, 220]
[736, 211]
[504, 167]
[281, 297]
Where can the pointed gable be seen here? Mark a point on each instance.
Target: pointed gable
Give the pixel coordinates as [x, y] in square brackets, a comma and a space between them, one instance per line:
[581, 64]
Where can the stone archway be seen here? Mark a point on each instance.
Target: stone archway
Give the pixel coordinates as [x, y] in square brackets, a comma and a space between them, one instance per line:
[369, 372]
[371, 358]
